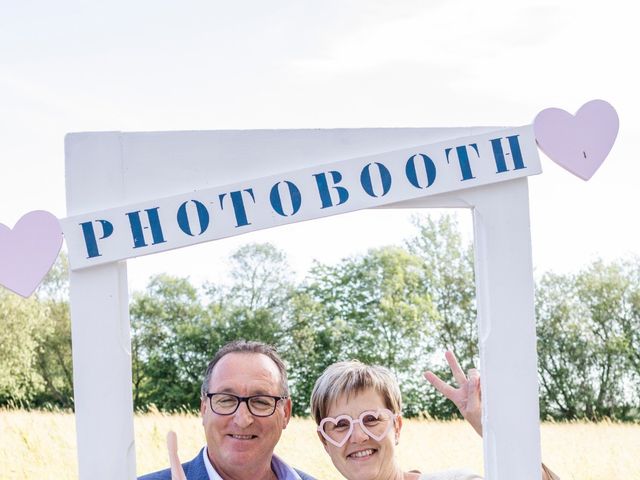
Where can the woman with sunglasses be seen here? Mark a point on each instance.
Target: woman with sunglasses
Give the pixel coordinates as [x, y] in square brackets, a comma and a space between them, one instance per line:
[358, 411]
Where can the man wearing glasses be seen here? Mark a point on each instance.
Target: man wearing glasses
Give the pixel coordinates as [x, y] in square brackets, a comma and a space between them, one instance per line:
[245, 405]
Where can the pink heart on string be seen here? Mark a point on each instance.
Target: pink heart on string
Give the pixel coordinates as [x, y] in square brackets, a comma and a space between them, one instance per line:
[578, 143]
[28, 251]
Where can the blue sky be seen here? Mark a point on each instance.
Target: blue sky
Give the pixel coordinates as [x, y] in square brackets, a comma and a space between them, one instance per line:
[71, 66]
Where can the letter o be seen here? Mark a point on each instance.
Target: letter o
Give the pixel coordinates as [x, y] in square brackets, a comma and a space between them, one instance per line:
[385, 179]
[294, 195]
[412, 174]
[183, 218]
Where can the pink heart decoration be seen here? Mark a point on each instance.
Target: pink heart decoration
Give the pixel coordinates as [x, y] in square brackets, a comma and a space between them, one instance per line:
[578, 144]
[28, 251]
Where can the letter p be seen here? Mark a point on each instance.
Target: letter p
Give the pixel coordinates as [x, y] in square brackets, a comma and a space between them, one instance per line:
[89, 234]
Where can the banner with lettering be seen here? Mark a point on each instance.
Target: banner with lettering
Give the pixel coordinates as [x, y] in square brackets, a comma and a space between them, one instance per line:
[338, 187]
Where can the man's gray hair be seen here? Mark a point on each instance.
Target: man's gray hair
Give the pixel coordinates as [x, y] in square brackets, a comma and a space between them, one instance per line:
[350, 378]
[244, 346]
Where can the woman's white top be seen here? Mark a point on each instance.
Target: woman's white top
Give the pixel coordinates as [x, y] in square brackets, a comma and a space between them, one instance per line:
[451, 475]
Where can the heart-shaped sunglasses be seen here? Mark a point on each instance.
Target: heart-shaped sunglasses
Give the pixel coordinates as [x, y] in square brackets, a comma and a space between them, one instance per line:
[374, 423]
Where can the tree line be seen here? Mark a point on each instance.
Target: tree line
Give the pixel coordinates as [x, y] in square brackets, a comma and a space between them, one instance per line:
[398, 306]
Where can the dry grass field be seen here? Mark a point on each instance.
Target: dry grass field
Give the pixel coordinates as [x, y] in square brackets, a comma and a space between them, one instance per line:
[41, 445]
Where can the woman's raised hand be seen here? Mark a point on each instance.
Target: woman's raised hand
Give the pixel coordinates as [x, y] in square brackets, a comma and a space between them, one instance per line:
[177, 473]
[467, 397]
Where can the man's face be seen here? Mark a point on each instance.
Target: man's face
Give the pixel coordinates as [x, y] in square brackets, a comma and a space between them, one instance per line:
[241, 439]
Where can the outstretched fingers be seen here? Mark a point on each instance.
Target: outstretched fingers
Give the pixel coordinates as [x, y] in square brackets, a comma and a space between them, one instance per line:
[458, 374]
[177, 473]
[442, 386]
[467, 397]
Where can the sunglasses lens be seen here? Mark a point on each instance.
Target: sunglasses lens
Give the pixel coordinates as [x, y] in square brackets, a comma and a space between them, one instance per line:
[336, 431]
[377, 426]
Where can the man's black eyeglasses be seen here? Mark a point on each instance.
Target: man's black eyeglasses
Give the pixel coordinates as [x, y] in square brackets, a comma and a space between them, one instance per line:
[258, 405]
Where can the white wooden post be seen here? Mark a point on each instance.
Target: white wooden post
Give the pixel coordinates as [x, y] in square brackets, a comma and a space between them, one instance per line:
[100, 322]
[111, 169]
[507, 335]
[506, 325]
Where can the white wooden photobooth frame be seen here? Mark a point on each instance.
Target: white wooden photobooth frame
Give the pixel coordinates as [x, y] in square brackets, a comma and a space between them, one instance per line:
[106, 170]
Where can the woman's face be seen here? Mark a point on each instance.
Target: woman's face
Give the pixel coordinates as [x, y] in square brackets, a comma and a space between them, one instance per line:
[362, 457]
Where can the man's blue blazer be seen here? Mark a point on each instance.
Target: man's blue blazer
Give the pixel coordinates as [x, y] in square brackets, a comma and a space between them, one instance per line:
[195, 470]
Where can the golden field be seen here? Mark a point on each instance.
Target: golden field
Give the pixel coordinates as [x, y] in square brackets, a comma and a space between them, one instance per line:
[41, 445]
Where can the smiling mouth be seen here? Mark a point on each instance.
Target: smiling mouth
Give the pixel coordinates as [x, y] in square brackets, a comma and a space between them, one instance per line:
[242, 437]
[362, 454]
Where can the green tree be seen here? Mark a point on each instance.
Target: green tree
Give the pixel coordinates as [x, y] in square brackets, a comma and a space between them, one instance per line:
[21, 323]
[54, 357]
[447, 281]
[255, 304]
[582, 347]
[631, 326]
[176, 331]
[35, 343]
[313, 341]
[172, 342]
[372, 308]
[261, 278]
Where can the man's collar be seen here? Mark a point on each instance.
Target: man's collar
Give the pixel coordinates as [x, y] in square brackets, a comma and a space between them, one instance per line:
[279, 467]
[213, 475]
[282, 470]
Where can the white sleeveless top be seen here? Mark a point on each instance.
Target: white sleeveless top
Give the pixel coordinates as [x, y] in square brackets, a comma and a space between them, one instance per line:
[451, 475]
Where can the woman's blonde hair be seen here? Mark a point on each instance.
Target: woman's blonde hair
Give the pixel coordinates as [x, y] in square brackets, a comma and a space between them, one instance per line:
[350, 378]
